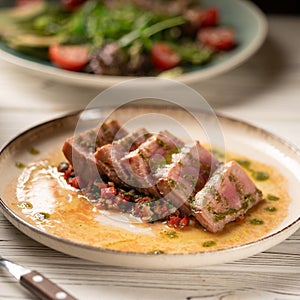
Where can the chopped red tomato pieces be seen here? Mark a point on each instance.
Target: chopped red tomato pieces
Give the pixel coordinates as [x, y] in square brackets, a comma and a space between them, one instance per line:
[163, 57]
[203, 17]
[70, 5]
[178, 222]
[219, 39]
[75, 182]
[72, 58]
[105, 195]
[69, 175]
[108, 192]
[210, 17]
[67, 172]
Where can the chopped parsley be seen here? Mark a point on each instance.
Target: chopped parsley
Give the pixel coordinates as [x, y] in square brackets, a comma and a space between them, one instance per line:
[244, 163]
[33, 151]
[257, 175]
[256, 222]
[260, 175]
[19, 165]
[172, 234]
[208, 243]
[272, 197]
[271, 208]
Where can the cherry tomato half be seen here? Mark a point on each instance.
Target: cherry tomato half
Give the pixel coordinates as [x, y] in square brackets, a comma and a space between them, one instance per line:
[220, 38]
[203, 17]
[69, 57]
[163, 57]
[70, 5]
[210, 17]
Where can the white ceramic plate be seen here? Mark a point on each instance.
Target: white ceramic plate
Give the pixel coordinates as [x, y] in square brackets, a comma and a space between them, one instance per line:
[247, 20]
[240, 137]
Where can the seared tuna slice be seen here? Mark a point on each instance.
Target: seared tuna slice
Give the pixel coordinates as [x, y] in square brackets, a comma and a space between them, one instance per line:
[186, 175]
[108, 156]
[141, 163]
[79, 150]
[228, 194]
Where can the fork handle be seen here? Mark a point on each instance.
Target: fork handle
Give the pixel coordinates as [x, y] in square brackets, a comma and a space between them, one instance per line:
[44, 288]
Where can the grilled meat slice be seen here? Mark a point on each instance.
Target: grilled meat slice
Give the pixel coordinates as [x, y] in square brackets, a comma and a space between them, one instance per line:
[141, 163]
[108, 156]
[186, 175]
[79, 150]
[228, 194]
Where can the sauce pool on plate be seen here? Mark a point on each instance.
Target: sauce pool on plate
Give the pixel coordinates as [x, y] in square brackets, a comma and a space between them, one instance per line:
[41, 196]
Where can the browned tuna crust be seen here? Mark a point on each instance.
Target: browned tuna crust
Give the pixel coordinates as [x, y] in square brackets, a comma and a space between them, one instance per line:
[108, 156]
[186, 175]
[228, 195]
[79, 150]
[140, 164]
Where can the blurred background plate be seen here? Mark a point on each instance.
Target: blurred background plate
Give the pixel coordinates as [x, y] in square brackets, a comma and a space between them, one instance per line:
[246, 18]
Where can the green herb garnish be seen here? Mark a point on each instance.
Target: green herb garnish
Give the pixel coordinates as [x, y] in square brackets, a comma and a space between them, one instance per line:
[20, 165]
[244, 163]
[271, 208]
[33, 151]
[170, 233]
[257, 175]
[208, 244]
[260, 175]
[256, 222]
[272, 197]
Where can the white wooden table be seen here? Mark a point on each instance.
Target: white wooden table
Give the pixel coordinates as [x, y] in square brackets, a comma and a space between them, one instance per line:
[265, 91]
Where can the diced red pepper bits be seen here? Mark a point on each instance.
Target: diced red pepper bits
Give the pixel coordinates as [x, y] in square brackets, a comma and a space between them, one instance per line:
[75, 182]
[109, 192]
[107, 196]
[178, 222]
[68, 172]
[184, 221]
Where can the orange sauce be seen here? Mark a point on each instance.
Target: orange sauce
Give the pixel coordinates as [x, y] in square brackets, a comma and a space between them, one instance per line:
[41, 196]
